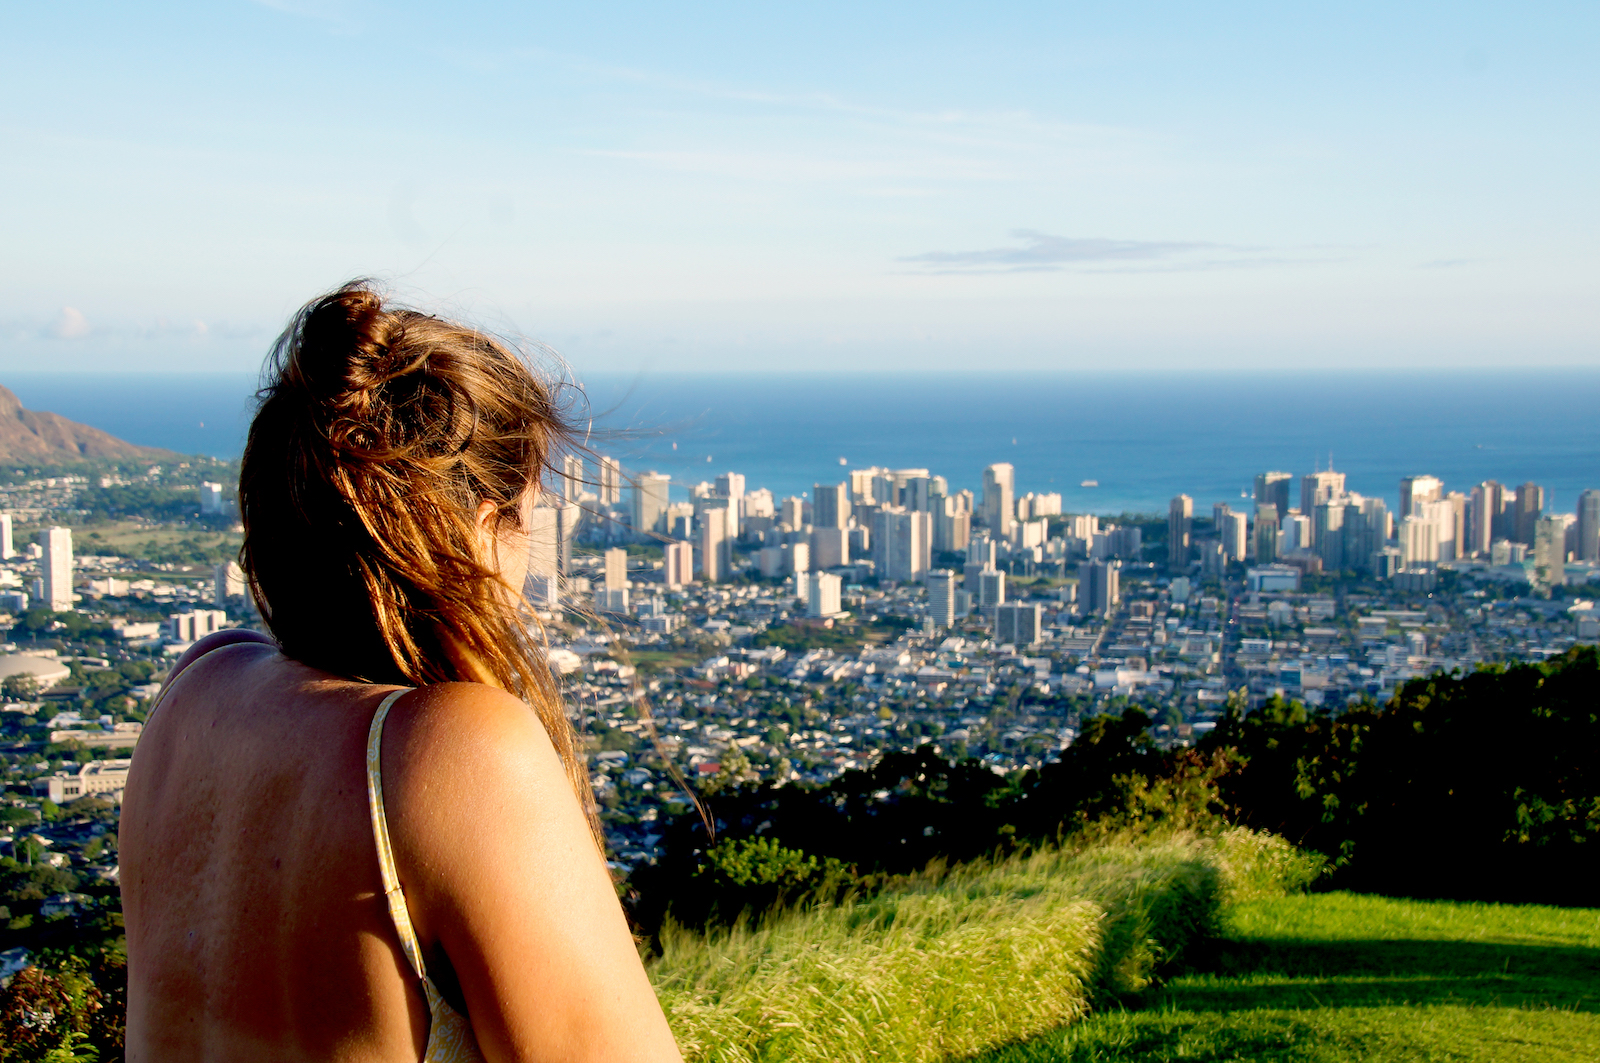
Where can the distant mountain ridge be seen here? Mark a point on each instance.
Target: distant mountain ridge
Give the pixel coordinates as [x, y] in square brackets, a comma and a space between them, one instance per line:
[33, 436]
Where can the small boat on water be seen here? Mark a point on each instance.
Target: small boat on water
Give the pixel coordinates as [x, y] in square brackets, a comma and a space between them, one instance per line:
[1090, 483]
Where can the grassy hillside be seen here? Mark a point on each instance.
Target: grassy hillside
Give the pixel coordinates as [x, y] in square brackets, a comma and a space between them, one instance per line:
[1336, 977]
[950, 963]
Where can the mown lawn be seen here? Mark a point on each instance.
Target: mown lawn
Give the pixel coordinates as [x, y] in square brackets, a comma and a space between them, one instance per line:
[137, 539]
[1347, 977]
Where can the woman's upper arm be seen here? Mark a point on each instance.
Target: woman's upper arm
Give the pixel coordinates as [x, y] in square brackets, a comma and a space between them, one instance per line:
[500, 869]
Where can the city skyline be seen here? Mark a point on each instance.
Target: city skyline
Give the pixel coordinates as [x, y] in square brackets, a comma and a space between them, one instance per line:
[1141, 438]
[909, 526]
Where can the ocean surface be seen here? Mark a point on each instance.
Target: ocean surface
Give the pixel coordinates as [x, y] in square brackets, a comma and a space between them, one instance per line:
[1143, 437]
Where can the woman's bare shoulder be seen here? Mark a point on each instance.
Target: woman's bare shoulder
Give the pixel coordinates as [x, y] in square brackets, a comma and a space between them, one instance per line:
[465, 718]
[234, 636]
[469, 739]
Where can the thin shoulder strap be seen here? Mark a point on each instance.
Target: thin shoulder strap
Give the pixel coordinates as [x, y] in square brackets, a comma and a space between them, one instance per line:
[380, 833]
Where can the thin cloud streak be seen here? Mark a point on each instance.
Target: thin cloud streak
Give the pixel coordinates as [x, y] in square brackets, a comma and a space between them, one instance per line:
[1043, 251]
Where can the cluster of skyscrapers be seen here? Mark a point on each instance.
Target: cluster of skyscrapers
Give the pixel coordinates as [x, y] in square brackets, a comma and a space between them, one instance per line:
[1336, 529]
[894, 525]
[909, 526]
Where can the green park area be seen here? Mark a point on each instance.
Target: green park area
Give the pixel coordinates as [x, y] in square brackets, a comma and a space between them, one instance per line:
[165, 544]
[654, 661]
[1339, 976]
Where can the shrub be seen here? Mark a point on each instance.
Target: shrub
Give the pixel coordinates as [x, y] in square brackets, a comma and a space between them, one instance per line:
[1256, 865]
[753, 876]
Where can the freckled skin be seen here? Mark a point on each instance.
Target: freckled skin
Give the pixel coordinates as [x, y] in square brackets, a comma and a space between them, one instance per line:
[257, 927]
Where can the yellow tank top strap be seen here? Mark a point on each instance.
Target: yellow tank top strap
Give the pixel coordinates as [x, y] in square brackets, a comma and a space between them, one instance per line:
[450, 1037]
[380, 833]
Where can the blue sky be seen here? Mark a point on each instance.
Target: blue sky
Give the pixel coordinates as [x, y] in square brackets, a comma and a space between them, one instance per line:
[817, 187]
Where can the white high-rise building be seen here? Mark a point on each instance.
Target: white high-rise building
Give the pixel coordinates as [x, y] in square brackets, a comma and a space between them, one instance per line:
[714, 543]
[679, 569]
[227, 581]
[571, 480]
[999, 488]
[1233, 530]
[210, 498]
[861, 486]
[649, 502]
[824, 597]
[942, 597]
[1031, 506]
[1318, 489]
[730, 485]
[616, 569]
[1415, 490]
[188, 627]
[55, 565]
[793, 513]
[1449, 516]
[7, 547]
[610, 481]
[1294, 533]
[550, 533]
[902, 542]
[1180, 516]
[758, 503]
[1419, 541]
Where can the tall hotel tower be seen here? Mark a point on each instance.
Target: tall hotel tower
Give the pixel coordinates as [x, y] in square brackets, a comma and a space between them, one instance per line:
[56, 565]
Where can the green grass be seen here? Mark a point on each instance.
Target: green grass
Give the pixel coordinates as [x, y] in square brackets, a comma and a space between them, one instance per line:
[651, 661]
[954, 962]
[1346, 977]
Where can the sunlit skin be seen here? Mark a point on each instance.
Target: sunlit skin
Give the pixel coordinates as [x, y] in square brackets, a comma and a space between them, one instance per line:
[256, 923]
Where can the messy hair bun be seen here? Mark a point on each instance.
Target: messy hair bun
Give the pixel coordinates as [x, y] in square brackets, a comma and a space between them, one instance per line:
[379, 434]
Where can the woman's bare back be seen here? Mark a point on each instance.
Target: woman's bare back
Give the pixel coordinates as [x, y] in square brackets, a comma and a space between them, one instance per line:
[256, 918]
[246, 825]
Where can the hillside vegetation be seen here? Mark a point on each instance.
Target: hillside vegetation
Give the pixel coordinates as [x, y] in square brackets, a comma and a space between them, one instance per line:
[1481, 786]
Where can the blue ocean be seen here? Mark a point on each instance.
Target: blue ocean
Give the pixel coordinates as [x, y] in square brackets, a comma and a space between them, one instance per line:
[1142, 437]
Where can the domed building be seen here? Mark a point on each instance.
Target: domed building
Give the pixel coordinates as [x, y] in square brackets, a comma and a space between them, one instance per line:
[46, 671]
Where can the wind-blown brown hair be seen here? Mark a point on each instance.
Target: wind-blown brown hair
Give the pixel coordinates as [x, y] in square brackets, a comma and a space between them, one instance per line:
[380, 431]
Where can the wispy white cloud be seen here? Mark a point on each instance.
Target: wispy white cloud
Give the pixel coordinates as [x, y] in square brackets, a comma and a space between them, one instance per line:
[1044, 252]
[70, 324]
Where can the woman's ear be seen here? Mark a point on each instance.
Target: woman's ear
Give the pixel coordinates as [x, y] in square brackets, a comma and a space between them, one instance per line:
[488, 540]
